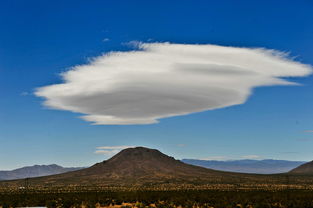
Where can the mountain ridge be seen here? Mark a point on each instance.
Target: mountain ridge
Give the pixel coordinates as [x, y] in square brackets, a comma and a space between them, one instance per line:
[130, 167]
[306, 168]
[266, 166]
[35, 171]
[149, 168]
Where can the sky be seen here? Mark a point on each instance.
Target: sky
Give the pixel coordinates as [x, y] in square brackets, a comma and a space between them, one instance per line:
[80, 80]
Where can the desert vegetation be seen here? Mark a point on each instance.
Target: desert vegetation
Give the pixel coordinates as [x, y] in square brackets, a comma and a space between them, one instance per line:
[162, 199]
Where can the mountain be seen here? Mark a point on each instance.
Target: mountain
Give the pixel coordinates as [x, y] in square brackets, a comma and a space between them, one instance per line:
[149, 168]
[248, 166]
[240, 166]
[133, 167]
[34, 171]
[138, 166]
[306, 168]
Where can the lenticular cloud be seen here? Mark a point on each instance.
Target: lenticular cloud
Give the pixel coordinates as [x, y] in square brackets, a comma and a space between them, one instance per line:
[159, 80]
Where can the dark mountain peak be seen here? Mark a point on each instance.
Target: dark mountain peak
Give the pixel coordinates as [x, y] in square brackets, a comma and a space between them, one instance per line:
[131, 160]
[140, 163]
[137, 154]
[306, 168]
[137, 151]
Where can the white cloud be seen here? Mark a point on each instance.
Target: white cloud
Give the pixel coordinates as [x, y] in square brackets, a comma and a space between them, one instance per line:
[252, 157]
[214, 158]
[106, 152]
[105, 40]
[308, 131]
[110, 150]
[115, 147]
[160, 80]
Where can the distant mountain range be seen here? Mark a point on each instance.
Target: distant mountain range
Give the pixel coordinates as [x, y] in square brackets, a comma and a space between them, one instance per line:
[248, 166]
[34, 171]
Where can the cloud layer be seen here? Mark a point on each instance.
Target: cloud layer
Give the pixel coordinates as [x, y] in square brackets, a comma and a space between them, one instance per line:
[160, 80]
[110, 150]
[251, 157]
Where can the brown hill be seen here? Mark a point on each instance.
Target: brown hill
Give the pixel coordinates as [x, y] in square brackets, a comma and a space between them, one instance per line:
[143, 167]
[136, 166]
[305, 169]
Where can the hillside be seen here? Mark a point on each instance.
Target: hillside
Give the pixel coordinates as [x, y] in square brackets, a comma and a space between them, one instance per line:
[136, 166]
[248, 166]
[306, 169]
[143, 167]
[34, 171]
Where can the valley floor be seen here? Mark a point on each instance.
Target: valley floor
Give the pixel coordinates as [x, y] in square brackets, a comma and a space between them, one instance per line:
[163, 199]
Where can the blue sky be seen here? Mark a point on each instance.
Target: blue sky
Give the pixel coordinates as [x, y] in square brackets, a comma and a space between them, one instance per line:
[41, 39]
